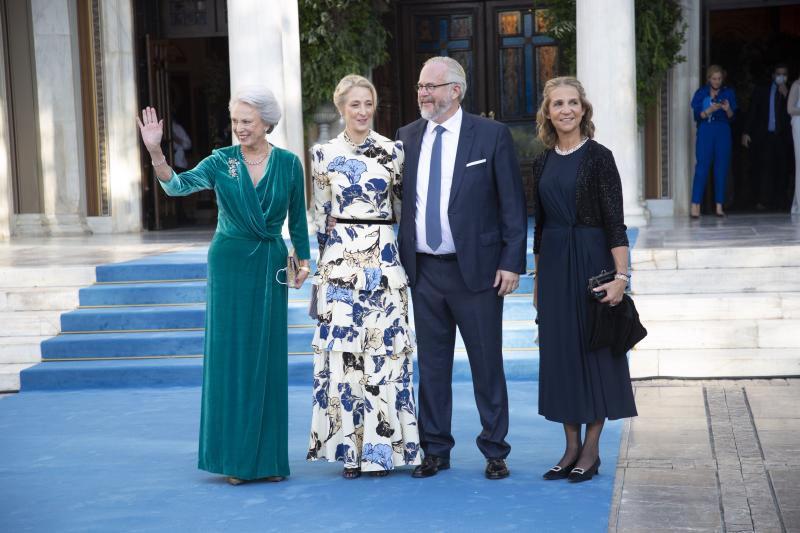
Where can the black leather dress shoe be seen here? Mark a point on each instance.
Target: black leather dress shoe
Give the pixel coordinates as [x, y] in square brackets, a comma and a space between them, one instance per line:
[430, 466]
[496, 469]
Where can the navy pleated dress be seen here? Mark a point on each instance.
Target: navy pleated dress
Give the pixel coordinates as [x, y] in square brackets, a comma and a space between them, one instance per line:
[576, 386]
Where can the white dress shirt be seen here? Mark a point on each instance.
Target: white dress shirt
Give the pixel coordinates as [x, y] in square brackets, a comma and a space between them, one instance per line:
[449, 148]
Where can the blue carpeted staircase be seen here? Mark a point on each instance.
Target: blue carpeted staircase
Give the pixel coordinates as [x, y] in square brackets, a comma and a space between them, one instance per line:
[141, 324]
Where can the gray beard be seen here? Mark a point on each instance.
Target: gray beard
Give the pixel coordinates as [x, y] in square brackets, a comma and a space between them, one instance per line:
[438, 111]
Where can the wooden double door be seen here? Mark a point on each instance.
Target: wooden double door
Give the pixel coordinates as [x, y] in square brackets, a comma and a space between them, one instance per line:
[506, 54]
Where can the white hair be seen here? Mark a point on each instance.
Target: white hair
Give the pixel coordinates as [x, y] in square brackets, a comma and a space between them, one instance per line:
[455, 72]
[262, 99]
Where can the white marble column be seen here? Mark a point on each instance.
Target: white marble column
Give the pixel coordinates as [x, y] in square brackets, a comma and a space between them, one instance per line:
[606, 53]
[264, 47]
[58, 116]
[684, 80]
[119, 86]
[6, 182]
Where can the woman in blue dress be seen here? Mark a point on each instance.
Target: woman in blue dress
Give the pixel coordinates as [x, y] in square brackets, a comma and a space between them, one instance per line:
[579, 232]
[713, 106]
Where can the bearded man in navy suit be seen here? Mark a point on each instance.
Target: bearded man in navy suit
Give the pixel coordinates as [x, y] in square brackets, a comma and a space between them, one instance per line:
[462, 243]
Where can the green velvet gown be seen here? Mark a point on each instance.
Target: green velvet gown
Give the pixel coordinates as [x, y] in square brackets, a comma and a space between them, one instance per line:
[244, 418]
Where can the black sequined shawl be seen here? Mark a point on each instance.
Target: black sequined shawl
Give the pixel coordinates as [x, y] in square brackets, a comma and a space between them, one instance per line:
[598, 196]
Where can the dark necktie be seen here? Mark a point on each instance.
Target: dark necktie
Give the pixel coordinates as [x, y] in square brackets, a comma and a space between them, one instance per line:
[433, 223]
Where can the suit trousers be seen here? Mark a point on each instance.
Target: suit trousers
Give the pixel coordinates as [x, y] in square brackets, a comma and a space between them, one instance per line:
[713, 144]
[774, 158]
[442, 301]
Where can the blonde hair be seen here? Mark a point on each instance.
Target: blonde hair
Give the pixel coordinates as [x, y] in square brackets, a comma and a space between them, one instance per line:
[714, 69]
[347, 83]
[544, 127]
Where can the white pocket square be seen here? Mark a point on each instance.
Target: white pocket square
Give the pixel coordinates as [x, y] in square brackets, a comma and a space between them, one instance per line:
[478, 162]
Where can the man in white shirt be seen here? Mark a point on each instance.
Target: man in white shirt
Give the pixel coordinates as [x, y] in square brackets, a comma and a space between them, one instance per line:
[463, 245]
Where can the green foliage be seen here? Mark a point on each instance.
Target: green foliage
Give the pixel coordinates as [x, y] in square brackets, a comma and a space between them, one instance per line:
[560, 17]
[660, 32]
[337, 37]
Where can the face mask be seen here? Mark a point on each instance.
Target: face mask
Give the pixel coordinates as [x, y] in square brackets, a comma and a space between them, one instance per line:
[780, 79]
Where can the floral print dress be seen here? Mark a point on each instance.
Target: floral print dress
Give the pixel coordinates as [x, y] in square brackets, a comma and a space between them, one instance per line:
[363, 405]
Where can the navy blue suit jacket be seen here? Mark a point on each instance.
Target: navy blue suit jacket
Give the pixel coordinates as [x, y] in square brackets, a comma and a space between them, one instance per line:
[487, 211]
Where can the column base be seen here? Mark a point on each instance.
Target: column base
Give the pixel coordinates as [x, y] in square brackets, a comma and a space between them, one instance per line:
[100, 225]
[66, 225]
[636, 216]
[29, 225]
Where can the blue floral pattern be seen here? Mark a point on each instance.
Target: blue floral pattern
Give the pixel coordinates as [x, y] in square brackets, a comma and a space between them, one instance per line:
[363, 399]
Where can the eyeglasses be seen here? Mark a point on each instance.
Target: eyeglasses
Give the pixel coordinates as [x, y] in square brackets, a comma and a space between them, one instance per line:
[429, 87]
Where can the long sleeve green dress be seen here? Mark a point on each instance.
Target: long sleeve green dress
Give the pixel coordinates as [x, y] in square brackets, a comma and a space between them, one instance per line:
[244, 418]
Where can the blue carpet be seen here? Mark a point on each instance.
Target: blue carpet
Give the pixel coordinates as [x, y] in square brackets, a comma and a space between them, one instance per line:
[125, 460]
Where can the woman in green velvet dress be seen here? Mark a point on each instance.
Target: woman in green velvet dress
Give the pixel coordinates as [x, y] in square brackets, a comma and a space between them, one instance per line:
[244, 418]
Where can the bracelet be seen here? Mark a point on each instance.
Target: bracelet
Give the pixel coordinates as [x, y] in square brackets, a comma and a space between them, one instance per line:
[303, 267]
[624, 277]
[162, 162]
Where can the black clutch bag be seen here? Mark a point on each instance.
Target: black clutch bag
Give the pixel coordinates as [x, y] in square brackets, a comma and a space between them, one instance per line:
[618, 327]
[601, 279]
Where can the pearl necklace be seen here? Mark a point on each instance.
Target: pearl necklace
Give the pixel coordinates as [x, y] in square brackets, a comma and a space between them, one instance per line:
[573, 149]
[255, 163]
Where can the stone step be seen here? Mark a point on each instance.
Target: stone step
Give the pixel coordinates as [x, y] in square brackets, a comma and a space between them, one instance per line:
[721, 334]
[517, 335]
[705, 258]
[29, 323]
[716, 280]
[9, 376]
[715, 363]
[181, 292]
[38, 298]
[188, 371]
[192, 316]
[192, 292]
[722, 306]
[15, 350]
[63, 276]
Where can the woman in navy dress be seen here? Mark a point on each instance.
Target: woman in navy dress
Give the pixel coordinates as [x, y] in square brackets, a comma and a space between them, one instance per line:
[579, 232]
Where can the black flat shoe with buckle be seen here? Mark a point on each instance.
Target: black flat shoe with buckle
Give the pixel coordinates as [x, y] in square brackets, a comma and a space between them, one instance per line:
[577, 475]
[558, 472]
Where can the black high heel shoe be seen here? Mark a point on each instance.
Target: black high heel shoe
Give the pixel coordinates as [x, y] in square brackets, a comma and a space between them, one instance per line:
[578, 475]
[558, 472]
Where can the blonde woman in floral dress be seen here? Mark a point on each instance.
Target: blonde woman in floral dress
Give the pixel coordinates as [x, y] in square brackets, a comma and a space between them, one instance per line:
[363, 406]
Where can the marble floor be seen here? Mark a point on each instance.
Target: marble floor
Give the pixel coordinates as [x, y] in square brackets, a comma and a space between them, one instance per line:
[707, 232]
[96, 249]
[713, 232]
